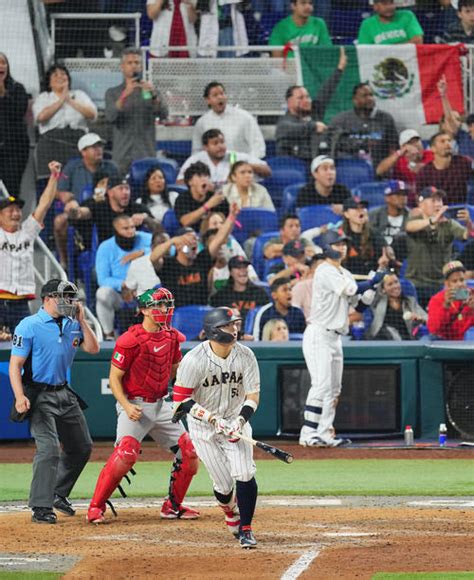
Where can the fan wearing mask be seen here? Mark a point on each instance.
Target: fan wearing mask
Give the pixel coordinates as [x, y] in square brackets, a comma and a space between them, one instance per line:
[113, 260]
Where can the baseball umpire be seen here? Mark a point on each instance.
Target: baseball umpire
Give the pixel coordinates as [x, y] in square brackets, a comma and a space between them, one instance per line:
[218, 385]
[144, 359]
[334, 290]
[44, 346]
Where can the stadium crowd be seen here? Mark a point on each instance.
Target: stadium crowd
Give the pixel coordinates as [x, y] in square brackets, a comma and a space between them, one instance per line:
[215, 229]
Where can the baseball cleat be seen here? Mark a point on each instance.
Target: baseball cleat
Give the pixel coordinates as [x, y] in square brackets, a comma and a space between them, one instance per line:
[63, 505]
[342, 442]
[95, 515]
[183, 512]
[247, 539]
[43, 516]
[314, 441]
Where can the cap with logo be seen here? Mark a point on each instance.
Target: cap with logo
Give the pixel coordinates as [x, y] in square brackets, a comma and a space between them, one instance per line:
[353, 203]
[431, 191]
[394, 186]
[451, 267]
[88, 140]
[407, 135]
[295, 248]
[238, 262]
[319, 160]
[118, 179]
[6, 199]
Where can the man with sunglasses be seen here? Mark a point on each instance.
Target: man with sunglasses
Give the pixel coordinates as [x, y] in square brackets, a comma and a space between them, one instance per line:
[44, 346]
[144, 359]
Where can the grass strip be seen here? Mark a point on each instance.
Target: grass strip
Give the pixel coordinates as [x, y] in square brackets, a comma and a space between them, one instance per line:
[423, 575]
[396, 477]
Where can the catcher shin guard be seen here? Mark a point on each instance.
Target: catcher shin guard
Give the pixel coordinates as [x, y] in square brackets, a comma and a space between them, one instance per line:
[228, 505]
[119, 464]
[183, 470]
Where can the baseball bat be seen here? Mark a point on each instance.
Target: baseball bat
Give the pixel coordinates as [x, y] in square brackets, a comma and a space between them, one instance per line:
[360, 276]
[270, 449]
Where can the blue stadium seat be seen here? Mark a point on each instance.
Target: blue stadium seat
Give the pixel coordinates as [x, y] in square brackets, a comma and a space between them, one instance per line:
[290, 163]
[170, 222]
[189, 319]
[469, 334]
[313, 216]
[250, 320]
[372, 191]
[139, 168]
[353, 172]
[254, 221]
[258, 259]
[288, 202]
[83, 264]
[268, 265]
[279, 180]
[296, 336]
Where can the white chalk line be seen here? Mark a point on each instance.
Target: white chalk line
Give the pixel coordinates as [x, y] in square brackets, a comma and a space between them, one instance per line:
[300, 565]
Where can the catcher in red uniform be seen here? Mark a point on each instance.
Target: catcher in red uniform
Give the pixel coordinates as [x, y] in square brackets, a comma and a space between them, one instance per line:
[144, 359]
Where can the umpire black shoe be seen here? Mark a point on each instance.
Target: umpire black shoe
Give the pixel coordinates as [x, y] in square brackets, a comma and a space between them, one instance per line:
[247, 539]
[43, 516]
[63, 505]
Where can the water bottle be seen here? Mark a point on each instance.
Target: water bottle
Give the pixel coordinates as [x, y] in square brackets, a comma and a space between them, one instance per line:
[408, 436]
[443, 435]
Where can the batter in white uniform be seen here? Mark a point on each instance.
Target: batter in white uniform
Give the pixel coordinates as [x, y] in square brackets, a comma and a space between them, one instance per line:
[334, 290]
[218, 384]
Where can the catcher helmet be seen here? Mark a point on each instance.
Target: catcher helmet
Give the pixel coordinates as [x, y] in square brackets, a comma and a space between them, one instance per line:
[161, 301]
[217, 318]
[66, 294]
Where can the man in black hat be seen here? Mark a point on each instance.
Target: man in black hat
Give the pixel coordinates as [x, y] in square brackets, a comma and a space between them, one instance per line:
[117, 202]
[430, 237]
[294, 264]
[239, 292]
[44, 346]
[17, 278]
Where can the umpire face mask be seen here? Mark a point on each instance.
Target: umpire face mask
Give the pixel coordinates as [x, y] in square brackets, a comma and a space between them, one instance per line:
[66, 299]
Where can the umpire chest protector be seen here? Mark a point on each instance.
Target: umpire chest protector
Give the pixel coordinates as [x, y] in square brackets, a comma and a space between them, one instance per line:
[153, 354]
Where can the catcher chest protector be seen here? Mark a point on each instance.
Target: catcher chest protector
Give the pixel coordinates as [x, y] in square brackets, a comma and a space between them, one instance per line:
[152, 367]
[183, 470]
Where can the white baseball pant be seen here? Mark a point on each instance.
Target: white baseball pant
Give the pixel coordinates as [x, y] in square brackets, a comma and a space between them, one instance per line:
[224, 461]
[108, 301]
[322, 350]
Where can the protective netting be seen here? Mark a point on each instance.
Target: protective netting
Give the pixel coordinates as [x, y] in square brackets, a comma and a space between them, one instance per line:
[372, 108]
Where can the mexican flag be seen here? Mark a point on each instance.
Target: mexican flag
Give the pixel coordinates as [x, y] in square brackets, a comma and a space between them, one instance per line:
[403, 78]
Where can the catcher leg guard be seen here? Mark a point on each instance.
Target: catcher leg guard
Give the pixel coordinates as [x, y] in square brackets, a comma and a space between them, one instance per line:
[119, 464]
[184, 468]
[228, 505]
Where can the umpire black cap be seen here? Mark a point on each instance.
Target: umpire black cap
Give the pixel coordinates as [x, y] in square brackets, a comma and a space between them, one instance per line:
[215, 320]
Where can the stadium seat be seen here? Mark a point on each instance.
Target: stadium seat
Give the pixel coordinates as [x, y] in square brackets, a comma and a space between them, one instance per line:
[296, 336]
[258, 259]
[268, 265]
[372, 192]
[170, 223]
[288, 163]
[250, 320]
[139, 168]
[408, 288]
[288, 202]
[279, 180]
[189, 319]
[353, 172]
[254, 221]
[313, 216]
[469, 334]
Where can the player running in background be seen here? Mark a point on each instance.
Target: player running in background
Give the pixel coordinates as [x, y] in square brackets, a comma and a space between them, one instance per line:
[144, 359]
[218, 385]
[334, 290]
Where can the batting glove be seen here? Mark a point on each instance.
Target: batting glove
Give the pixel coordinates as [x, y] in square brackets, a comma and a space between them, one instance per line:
[235, 429]
[221, 426]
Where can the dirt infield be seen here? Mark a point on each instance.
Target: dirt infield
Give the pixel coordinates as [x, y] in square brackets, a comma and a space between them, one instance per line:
[332, 542]
[23, 452]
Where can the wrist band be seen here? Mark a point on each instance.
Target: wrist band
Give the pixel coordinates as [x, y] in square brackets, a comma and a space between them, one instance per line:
[248, 409]
[206, 207]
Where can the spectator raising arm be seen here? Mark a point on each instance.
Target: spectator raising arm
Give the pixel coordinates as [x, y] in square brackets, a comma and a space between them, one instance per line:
[49, 194]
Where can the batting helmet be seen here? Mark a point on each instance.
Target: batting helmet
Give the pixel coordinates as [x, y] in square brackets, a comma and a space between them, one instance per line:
[215, 320]
[161, 301]
[328, 239]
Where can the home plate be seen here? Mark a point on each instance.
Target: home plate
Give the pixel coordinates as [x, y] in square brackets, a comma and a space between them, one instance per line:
[348, 534]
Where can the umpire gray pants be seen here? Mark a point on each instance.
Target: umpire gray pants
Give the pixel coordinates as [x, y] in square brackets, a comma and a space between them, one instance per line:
[63, 446]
